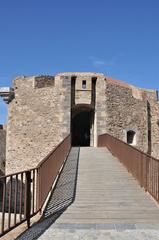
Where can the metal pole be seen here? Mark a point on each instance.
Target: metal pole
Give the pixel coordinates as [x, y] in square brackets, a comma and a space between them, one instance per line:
[28, 197]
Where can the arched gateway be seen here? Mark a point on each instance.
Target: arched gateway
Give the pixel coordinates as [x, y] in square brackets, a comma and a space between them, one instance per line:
[82, 126]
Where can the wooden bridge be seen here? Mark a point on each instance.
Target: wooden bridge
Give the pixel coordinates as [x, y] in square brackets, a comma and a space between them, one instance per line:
[114, 186]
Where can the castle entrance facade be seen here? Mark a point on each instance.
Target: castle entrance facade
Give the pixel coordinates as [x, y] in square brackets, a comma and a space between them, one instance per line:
[82, 111]
[44, 110]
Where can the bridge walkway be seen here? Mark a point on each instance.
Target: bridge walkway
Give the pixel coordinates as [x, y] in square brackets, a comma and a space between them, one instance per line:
[107, 193]
[107, 202]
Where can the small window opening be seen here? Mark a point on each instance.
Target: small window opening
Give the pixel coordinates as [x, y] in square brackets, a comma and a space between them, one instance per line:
[84, 84]
[131, 137]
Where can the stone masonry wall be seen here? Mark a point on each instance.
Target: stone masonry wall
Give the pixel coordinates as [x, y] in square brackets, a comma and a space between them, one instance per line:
[64, 104]
[39, 115]
[155, 130]
[2, 150]
[100, 108]
[152, 98]
[38, 120]
[126, 111]
[83, 95]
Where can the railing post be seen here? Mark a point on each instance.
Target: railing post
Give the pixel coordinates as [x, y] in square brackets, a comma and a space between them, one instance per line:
[38, 190]
[147, 173]
[28, 197]
[141, 171]
[3, 206]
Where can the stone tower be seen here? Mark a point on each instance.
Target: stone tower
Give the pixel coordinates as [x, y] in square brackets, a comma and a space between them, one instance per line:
[43, 110]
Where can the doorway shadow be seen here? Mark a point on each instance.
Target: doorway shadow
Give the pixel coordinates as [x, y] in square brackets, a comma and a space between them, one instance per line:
[80, 128]
[60, 199]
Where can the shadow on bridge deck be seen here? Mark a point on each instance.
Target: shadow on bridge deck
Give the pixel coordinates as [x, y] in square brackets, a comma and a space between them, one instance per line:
[60, 199]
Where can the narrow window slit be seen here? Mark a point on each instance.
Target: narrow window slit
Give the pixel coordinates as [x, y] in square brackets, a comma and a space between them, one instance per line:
[131, 137]
[84, 84]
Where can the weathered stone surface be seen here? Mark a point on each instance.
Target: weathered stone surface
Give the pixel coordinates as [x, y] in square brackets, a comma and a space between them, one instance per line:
[154, 118]
[124, 113]
[44, 81]
[40, 114]
[35, 122]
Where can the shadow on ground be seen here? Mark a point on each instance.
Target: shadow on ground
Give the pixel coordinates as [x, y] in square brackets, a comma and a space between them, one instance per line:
[61, 198]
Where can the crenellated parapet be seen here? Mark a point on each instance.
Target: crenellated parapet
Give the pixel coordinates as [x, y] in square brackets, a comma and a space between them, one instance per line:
[7, 94]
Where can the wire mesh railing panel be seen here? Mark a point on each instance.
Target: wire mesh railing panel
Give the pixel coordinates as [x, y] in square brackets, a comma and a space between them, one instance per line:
[23, 194]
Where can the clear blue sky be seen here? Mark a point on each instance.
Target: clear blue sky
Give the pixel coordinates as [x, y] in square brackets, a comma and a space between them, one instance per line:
[117, 37]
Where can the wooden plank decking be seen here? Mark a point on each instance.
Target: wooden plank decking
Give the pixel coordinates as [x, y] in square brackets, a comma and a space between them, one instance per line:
[108, 204]
[107, 193]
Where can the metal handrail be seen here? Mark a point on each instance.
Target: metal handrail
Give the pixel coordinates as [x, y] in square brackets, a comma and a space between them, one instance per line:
[23, 194]
[131, 146]
[143, 167]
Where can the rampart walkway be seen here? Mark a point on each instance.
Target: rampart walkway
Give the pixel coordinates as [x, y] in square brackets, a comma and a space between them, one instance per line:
[108, 204]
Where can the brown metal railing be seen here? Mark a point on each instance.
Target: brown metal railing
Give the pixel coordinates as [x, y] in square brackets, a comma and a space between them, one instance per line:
[142, 166]
[49, 169]
[23, 194]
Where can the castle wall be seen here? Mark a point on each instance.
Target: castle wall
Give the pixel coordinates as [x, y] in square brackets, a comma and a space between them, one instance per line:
[38, 120]
[39, 116]
[126, 110]
[2, 150]
[152, 98]
[100, 108]
[155, 130]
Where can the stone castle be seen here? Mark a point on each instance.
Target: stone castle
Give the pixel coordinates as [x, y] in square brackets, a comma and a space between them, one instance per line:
[43, 110]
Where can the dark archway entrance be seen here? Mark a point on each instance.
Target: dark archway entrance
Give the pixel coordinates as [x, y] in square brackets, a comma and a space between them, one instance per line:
[80, 128]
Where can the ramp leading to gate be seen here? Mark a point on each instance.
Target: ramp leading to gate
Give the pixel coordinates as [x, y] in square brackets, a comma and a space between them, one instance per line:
[107, 193]
[102, 194]
[108, 200]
